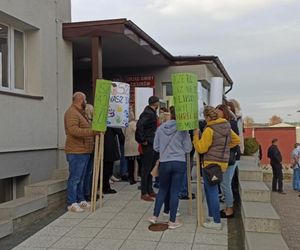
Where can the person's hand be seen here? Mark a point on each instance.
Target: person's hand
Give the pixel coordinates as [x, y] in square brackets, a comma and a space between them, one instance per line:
[196, 131]
[145, 143]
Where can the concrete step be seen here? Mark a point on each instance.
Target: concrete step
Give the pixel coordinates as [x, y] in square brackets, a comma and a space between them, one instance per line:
[6, 227]
[260, 217]
[22, 206]
[264, 241]
[45, 188]
[248, 171]
[62, 173]
[254, 191]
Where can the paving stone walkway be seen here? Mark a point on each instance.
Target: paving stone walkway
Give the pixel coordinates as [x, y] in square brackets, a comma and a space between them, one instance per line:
[122, 224]
[288, 208]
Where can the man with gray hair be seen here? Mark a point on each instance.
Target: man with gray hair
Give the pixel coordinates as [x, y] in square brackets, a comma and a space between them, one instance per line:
[78, 147]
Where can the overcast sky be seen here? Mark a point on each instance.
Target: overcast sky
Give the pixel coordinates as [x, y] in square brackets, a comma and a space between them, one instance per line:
[258, 41]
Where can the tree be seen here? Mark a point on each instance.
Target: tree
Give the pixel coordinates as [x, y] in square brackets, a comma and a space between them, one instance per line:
[275, 120]
[248, 122]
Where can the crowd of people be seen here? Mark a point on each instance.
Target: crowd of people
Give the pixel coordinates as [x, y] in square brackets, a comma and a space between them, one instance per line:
[154, 140]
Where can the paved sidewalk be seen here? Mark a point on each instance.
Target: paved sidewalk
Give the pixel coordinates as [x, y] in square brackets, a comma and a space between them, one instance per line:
[288, 208]
[122, 224]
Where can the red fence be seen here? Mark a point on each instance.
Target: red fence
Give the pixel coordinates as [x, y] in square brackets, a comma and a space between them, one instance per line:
[286, 139]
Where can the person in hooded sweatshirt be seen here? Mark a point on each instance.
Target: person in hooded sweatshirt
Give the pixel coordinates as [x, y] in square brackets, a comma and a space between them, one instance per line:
[215, 144]
[172, 146]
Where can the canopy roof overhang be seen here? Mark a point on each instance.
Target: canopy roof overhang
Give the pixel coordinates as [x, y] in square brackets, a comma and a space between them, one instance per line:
[125, 45]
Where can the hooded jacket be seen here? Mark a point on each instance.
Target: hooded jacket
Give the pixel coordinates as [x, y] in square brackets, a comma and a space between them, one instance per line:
[212, 142]
[171, 144]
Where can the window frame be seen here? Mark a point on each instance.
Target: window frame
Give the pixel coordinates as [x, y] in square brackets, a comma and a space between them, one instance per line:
[11, 60]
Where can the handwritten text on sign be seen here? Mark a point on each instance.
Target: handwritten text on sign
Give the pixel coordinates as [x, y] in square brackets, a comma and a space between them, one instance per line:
[185, 100]
[118, 112]
[101, 103]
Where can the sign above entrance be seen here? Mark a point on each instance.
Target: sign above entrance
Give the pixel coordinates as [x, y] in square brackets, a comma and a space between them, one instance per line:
[141, 81]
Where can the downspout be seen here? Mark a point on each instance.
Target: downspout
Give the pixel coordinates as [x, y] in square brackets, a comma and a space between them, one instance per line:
[230, 88]
[57, 85]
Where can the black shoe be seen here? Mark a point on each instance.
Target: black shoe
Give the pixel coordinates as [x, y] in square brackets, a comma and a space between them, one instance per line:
[186, 197]
[224, 215]
[109, 191]
[132, 182]
[124, 178]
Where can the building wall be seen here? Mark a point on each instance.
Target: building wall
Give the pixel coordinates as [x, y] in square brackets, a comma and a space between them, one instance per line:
[30, 125]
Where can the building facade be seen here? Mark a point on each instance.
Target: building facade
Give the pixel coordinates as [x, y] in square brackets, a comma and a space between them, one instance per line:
[35, 90]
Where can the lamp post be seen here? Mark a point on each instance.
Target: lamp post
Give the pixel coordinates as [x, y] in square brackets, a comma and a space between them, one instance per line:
[298, 111]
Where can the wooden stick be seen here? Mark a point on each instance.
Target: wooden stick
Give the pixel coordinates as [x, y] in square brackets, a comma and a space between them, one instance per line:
[95, 184]
[188, 172]
[101, 158]
[200, 210]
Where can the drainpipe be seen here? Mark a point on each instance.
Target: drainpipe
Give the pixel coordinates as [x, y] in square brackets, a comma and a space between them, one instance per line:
[229, 89]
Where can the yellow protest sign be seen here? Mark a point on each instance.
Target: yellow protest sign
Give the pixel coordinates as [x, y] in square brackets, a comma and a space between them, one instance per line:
[185, 100]
[101, 102]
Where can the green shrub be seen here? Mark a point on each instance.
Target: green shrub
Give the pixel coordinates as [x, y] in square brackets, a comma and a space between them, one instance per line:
[251, 146]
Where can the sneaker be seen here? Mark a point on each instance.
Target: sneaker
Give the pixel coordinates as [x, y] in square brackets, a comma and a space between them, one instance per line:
[75, 208]
[210, 219]
[212, 225]
[84, 204]
[152, 219]
[114, 179]
[173, 225]
[111, 181]
[146, 197]
[281, 192]
[167, 214]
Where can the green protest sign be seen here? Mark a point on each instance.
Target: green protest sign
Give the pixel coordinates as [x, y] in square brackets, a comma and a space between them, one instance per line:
[101, 102]
[185, 100]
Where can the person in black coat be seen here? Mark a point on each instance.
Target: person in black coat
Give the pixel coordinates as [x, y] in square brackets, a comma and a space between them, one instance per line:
[275, 161]
[111, 154]
[144, 134]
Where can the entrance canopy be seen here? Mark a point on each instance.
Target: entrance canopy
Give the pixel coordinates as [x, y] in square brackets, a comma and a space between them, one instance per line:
[114, 45]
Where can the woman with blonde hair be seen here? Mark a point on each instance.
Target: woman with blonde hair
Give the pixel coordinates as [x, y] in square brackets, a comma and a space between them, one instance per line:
[131, 151]
[215, 142]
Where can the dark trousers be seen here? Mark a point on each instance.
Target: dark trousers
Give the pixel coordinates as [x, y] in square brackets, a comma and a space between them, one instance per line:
[107, 173]
[277, 177]
[130, 167]
[148, 162]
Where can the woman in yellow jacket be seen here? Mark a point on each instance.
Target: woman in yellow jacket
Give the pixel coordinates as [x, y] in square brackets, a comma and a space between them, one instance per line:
[215, 143]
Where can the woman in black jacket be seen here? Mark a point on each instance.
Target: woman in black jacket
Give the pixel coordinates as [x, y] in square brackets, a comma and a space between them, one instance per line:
[111, 154]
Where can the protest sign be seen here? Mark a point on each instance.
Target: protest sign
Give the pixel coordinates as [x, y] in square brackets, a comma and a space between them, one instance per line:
[118, 111]
[185, 96]
[101, 102]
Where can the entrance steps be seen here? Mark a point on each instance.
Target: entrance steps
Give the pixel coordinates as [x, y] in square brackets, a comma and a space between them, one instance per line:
[261, 221]
[38, 198]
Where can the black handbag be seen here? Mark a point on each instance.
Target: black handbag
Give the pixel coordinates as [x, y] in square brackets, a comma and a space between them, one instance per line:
[214, 174]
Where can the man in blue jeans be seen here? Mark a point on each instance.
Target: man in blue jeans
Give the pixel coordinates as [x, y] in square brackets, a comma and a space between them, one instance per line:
[78, 147]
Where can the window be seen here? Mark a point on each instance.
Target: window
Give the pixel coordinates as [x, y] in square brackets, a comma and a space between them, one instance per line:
[11, 59]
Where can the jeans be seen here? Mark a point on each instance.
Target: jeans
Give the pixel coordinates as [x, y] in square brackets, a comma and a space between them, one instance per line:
[277, 177]
[171, 175]
[226, 185]
[212, 199]
[296, 179]
[123, 163]
[88, 179]
[77, 168]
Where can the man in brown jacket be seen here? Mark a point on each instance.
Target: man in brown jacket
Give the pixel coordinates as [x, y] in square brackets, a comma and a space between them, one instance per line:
[79, 146]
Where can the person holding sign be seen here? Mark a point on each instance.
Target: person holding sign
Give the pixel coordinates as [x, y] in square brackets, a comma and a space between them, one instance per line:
[172, 146]
[216, 140]
[78, 147]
